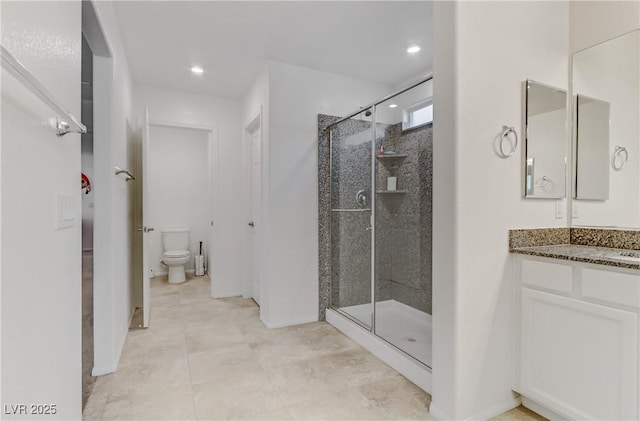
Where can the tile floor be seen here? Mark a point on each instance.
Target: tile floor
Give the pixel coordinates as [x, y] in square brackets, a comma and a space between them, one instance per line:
[87, 325]
[214, 359]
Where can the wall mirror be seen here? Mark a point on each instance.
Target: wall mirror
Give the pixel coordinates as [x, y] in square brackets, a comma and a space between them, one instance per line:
[546, 141]
[606, 126]
[592, 148]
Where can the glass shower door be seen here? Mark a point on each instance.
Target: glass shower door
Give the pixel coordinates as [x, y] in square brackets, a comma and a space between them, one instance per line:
[403, 174]
[351, 199]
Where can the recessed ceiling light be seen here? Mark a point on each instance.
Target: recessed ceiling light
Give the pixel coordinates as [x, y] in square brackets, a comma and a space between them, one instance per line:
[197, 70]
[413, 49]
[393, 105]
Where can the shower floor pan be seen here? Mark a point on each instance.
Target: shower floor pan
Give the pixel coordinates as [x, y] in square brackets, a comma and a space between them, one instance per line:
[399, 324]
[402, 338]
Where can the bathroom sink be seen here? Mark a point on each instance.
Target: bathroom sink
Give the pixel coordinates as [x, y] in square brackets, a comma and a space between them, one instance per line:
[627, 256]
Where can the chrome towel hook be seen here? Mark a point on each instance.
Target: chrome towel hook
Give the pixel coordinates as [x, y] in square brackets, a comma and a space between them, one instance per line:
[619, 158]
[506, 131]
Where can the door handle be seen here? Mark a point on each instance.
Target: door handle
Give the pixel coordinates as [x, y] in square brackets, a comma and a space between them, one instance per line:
[145, 229]
[251, 224]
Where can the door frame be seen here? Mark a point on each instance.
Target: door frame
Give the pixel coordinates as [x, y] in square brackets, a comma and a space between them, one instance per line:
[108, 339]
[255, 125]
[213, 182]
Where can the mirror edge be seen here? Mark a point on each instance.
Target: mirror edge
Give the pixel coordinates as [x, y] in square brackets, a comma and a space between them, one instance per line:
[567, 145]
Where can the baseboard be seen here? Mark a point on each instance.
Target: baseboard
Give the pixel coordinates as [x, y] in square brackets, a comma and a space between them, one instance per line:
[541, 410]
[227, 295]
[436, 414]
[113, 366]
[102, 370]
[496, 410]
[271, 325]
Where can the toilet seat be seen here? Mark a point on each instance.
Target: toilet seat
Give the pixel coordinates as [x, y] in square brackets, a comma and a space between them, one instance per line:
[176, 253]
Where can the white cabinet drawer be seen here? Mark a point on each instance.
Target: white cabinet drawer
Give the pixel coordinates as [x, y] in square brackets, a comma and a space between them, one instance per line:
[548, 275]
[610, 286]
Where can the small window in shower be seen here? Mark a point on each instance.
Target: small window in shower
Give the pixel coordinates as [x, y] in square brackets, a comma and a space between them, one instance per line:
[418, 115]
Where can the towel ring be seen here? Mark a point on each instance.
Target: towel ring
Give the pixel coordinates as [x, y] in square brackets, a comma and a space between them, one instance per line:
[505, 135]
[545, 183]
[622, 153]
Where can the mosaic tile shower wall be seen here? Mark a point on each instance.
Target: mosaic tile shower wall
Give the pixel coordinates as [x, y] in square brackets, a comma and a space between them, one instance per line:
[403, 220]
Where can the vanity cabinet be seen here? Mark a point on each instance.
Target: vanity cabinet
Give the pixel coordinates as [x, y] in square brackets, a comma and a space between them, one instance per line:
[578, 342]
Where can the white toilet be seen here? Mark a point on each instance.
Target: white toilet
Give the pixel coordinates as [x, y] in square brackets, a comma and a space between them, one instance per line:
[175, 244]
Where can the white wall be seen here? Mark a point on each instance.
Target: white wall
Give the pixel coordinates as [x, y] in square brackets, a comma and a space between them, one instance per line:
[224, 114]
[113, 131]
[296, 96]
[445, 396]
[178, 183]
[480, 65]
[41, 266]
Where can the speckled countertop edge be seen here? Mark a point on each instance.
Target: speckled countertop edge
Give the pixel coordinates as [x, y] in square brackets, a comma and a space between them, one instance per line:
[578, 253]
[576, 244]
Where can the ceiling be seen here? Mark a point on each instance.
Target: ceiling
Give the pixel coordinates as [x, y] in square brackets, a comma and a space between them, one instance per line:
[233, 40]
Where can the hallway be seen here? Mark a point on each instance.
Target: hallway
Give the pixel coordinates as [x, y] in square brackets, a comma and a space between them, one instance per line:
[213, 359]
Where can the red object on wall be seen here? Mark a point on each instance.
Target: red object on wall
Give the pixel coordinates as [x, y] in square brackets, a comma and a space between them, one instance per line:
[86, 184]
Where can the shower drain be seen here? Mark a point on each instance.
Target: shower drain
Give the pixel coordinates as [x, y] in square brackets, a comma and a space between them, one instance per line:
[411, 340]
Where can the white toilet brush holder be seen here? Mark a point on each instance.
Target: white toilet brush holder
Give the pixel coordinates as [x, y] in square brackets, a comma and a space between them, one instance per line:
[199, 265]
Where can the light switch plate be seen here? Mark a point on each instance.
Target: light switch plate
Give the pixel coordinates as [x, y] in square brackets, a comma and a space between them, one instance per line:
[560, 205]
[65, 211]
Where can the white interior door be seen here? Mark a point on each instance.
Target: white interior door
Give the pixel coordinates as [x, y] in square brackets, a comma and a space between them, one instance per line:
[146, 282]
[256, 189]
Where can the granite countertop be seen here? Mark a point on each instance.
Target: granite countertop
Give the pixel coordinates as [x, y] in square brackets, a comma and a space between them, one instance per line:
[588, 254]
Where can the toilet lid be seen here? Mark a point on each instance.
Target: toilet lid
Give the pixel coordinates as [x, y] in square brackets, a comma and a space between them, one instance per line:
[176, 253]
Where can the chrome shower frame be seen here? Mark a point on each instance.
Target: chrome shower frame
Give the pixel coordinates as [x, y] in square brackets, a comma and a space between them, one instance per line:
[372, 220]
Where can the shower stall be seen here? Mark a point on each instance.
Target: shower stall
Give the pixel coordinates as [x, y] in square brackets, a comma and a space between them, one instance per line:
[376, 227]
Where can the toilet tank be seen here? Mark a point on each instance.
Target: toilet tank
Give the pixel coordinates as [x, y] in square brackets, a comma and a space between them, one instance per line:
[175, 239]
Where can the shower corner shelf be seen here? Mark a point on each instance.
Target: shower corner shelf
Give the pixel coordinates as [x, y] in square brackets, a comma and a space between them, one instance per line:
[391, 162]
[391, 191]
